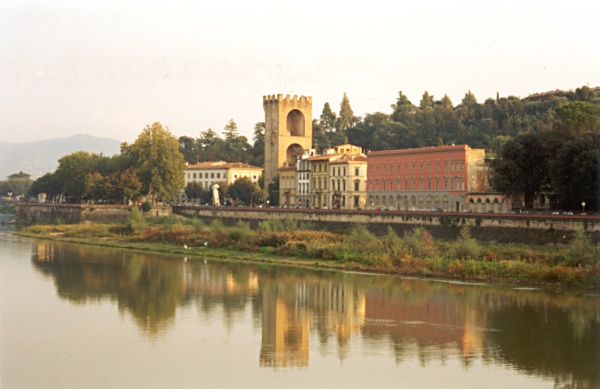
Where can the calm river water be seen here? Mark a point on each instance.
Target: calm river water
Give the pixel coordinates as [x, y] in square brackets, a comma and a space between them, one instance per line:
[77, 316]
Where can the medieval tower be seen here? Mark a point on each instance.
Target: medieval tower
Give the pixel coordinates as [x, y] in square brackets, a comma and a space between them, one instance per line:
[288, 131]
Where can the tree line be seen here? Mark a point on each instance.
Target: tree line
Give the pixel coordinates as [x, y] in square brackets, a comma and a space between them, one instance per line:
[150, 168]
[546, 142]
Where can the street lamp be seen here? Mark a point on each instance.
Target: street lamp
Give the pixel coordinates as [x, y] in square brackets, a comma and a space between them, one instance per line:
[583, 206]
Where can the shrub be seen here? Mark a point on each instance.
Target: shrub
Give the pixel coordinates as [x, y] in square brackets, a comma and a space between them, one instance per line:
[272, 224]
[465, 247]
[146, 206]
[178, 233]
[419, 243]
[273, 239]
[240, 232]
[290, 225]
[197, 223]
[581, 250]
[391, 242]
[360, 239]
[136, 220]
[217, 227]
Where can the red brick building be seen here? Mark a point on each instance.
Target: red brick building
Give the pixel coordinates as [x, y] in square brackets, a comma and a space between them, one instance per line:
[425, 179]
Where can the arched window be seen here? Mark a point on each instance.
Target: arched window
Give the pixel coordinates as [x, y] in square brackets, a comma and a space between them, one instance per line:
[295, 123]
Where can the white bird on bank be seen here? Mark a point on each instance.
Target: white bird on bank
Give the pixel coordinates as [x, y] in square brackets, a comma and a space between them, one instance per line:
[185, 247]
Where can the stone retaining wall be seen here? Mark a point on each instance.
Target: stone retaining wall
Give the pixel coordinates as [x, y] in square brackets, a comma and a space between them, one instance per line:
[493, 227]
[27, 213]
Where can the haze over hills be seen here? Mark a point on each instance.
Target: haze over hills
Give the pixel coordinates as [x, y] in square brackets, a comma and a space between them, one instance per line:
[41, 157]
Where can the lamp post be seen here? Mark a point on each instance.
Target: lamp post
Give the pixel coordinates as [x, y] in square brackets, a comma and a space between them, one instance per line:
[583, 206]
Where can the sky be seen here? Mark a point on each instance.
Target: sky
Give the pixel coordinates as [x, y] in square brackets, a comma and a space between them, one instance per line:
[110, 68]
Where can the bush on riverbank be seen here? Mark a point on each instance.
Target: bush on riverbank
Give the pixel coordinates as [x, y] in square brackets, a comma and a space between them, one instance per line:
[415, 253]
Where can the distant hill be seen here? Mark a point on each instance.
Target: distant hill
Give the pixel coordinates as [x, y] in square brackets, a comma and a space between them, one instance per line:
[41, 157]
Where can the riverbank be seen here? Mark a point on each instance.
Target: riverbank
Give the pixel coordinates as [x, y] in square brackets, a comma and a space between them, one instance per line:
[417, 254]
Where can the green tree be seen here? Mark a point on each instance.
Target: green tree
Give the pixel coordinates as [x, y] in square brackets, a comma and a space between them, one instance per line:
[446, 121]
[523, 166]
[241, 190]
[578, 117]
[346, 118]
[576, 174]
[230, 131]
[156, 154]
[328, 118]
[73, 170]
[319, 138]
[426, 101]
[404, 111]
[585, 93]
[210, 145]
[258, 145]
[187, 147]
[235, 147]
[17, 184]
[48, 184]
[126, 185]
[193, 190]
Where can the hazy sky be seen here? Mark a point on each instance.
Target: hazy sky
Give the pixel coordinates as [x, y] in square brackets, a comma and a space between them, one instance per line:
[109, 68]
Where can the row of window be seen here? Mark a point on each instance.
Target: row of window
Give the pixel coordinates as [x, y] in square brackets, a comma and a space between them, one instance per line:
[411, 167]
[456, 183]
[194, 176]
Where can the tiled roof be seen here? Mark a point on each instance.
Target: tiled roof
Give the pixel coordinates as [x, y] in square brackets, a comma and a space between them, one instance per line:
[350, 158]
[219, 165]
[437, 149]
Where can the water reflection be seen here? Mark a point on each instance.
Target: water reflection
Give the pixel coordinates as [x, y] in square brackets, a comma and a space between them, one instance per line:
[555, 337]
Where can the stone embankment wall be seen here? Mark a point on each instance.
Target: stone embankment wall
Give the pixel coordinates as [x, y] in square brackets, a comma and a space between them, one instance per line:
[27, 213]
[520, 228]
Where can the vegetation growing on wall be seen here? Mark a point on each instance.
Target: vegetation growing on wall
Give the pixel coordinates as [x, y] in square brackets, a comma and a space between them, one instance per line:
[416, 253]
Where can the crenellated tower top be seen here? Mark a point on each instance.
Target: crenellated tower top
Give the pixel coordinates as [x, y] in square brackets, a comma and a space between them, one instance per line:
[287, 98]
[288, 131]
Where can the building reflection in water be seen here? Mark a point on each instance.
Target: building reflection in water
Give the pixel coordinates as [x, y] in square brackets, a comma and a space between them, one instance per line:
[427, 320]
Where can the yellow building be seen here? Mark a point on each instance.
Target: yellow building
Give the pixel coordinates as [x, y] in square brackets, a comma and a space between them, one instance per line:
[348, 178]
[339, 178]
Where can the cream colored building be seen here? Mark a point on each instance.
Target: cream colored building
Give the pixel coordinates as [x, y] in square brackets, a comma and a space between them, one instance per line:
[334, 183]
[287, 186]
[348, 178]
[209, 173]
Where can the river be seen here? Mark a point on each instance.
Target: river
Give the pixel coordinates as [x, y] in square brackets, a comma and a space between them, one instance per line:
[75, 316]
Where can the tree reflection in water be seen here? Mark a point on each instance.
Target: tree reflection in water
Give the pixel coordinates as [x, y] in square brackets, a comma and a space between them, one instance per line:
[545, 335]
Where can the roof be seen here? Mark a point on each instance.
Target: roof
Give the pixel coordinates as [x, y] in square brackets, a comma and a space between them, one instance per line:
[320, 158]
[420, 150]
[344, 158]
[220, 165]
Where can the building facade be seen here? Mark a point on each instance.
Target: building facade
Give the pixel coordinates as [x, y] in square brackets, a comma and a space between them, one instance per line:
[303, 173]
[348, 177]
[287, 186]
[425, 179]
[333, 181]
[288, 131]
[209, 173]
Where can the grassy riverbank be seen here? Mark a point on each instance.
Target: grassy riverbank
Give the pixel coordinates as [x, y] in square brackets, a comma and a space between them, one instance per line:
[288, 242]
